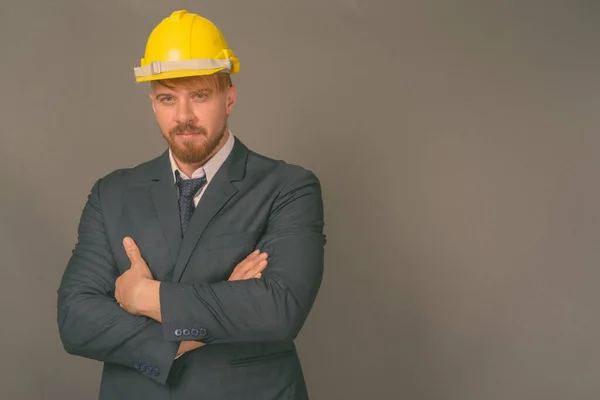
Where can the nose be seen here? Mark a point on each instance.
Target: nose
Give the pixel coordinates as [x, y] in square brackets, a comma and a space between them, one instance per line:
[184, 112]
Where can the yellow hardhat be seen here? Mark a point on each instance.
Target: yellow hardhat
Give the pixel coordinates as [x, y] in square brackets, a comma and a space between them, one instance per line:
[185, 44]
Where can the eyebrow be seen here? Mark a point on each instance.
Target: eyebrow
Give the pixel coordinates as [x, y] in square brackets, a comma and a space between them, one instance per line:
[206, 90]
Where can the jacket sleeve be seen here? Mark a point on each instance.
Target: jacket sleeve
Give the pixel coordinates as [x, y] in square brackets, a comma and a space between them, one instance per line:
[273, 308]
[91, 324]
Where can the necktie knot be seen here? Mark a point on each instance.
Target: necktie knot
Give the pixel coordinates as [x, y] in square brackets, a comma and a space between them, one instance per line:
[189, 187]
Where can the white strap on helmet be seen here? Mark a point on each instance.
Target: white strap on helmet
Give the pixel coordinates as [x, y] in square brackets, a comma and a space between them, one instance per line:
[158, 67]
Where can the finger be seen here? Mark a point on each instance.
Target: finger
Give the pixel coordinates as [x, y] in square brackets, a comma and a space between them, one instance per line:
[255, 269]
[253, 255]
[259, 258]
[249, 261]
[249, 265]
[244, 268]
[259, 268]
[258, 276]
[133, 252]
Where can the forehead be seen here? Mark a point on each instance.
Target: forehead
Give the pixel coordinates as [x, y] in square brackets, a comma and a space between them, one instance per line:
[217, 82]
[181, 87]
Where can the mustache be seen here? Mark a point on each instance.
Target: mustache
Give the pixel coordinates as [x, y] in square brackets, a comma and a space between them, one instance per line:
[187, 127]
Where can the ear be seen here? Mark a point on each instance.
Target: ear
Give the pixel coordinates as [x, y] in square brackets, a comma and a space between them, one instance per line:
[230, 98]
[151, 95]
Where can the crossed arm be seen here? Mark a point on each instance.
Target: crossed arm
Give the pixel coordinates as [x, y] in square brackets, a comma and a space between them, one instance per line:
[273, 308]
[139, 294]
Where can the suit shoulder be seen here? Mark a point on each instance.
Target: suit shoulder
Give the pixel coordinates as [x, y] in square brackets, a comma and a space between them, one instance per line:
[120, 178]
[279, 167]
[284, 173]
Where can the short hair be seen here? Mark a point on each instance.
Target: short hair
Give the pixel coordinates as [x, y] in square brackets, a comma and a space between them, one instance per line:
[218, 81]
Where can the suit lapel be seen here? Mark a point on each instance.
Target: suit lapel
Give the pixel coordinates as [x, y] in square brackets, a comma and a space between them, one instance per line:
[217, 194]
[164, 196]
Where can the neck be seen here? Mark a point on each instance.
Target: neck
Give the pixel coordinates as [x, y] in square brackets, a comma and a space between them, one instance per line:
[188, 169]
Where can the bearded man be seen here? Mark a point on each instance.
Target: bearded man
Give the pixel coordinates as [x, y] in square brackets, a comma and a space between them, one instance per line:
[194, 272]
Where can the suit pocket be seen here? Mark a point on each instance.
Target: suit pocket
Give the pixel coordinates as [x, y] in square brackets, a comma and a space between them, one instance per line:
[259, 353]
[234, 240]
[262, 358]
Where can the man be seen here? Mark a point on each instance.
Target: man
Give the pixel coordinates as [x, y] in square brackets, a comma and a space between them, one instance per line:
[194, 272]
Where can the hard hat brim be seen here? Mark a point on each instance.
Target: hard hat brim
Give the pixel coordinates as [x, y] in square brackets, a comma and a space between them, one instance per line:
[179, 74]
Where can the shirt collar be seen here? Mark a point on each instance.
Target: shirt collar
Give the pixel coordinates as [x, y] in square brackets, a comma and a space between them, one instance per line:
[210, 168]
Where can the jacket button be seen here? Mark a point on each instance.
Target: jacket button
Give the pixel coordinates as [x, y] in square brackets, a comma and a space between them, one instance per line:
[178, 332]
[137, 366]
[195, 332]
[186, 332]
[155, 372]
[202, 332]
[143, 367]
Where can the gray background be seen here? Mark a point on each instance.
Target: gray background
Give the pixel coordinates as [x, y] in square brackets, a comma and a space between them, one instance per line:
[458, 147]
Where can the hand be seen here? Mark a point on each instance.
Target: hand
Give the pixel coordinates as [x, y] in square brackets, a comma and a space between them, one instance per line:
[188, 345]
[131, 285]
[251, 267]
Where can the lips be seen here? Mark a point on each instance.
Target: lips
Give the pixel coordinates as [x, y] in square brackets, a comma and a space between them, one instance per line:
[189, 135]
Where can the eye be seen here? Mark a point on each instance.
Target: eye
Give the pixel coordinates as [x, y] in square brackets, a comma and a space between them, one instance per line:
[199, 96]
[167, 99]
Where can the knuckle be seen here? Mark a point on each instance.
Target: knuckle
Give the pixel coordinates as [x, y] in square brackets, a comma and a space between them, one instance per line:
[131, 252]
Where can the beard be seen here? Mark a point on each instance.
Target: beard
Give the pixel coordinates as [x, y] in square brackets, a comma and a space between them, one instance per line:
[192, 151]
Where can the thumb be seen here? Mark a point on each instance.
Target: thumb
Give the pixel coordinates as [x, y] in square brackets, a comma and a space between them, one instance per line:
[133, 252]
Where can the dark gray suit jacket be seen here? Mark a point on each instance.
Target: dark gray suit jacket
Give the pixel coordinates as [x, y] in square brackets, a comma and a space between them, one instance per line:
[253, 202]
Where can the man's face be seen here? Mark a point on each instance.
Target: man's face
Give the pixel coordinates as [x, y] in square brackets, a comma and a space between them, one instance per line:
[192, 117]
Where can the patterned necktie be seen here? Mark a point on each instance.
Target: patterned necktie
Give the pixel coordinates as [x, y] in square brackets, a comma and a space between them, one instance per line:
[187, 189]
